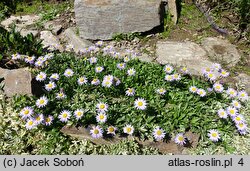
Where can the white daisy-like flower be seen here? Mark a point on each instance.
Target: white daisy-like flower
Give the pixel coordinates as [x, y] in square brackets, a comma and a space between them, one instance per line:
[68, 73]
[96, 132]
[39, 63]
[42, 102]
[231, 111]
[176, 77]
[42, 59]
[128, 129]
[93, 60]
[99, 69]
[243, 132]
[243, 96]
[126, 59]
[239, 119]
[39, 119]
[140, 104]
[50, 86]
[218, 87]
[130, 92]
[54, 77]
[169, 77]
[236, 104]
[95, 81]
[101, 118]
[214, 135]
[78, 113]
[99, 43]
[224, 73]
[184, 70]
[102, 107]
[106, 83]
[201, 92]
[30, 124]
[64, 116]
[168, 69]
[207, 70]
[60, 95]
[16, 56]
[211, 76]
[41, 76]
[30, 59]
[82, 80]
[108, 77]
[159, 134]
[180, 139]
[216, 66]
[121, 66]
[131, 72]
[222, 113]
[193, 89]
[241, 126]
[161, 91]
[111, 130]
[48, 120]
[231, 92]
[26, 112]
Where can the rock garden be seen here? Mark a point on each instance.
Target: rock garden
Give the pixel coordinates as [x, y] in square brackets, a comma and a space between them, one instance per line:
[124, 77]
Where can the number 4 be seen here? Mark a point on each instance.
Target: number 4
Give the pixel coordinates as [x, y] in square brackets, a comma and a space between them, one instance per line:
[241, 162]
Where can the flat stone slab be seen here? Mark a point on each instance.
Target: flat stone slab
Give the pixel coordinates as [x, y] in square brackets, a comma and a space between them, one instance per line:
[102, 19]
[221, 51]
[69, 35]
[50, 40]
[163, 147]
[187, 54]
[20, 21]
[17, 81]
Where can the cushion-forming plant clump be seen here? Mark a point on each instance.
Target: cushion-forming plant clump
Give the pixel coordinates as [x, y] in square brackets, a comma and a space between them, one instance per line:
[111, 94]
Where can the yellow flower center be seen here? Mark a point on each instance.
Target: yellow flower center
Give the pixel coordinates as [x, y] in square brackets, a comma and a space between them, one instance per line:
[242, 95]
[50, 85]
[96, 131]
[140, 103]
[65, 115]
[101, 117]
[193, 89]
[231, 111]
[42, 101]
[68, 73]
[210, 75]
[38, 118]
[102, 106]
[180, 138]
[30, 123]
[238, 118]
[79, 113]
[217, 87]
[40, 76]
[81, 79]
[129, 130]
[158, 132]
[214, 134]
[48, 120]
[240, 125]
[111, 129]
[26, 112]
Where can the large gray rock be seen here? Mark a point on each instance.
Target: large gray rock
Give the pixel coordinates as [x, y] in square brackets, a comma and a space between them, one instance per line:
[102, 19]
[50, 40]
[187, 54]
[70, 36]
[221, 51]
[17, 81]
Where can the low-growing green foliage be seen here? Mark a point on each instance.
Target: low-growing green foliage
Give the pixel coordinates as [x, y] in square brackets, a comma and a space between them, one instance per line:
[127, 37]
[13, 42]
[178, 110]
[15, 139]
